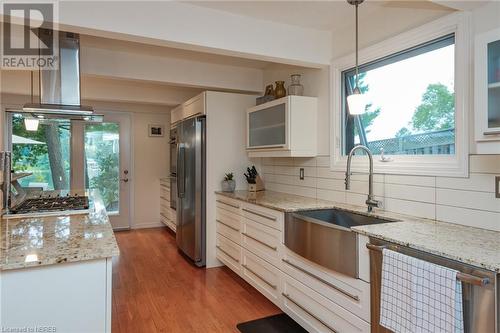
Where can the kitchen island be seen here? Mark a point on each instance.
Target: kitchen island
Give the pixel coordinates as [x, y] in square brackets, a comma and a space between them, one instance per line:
[55, 270]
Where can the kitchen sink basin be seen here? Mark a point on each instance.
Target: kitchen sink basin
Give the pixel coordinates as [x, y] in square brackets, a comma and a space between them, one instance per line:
[341, 218]
[325, 237]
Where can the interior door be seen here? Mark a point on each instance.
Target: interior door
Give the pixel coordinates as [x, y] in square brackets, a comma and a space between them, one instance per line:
[107, 165]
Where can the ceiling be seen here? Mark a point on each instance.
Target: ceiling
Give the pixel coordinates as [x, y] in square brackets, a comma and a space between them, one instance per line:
[320, 15]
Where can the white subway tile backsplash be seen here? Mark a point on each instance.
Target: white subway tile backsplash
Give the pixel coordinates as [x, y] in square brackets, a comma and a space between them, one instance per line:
[421, 209]
[284, 179]
[307, 182]
[470, 217]
[411, 180]
[327, 173]
[267, 169]
[331, 184]
[476, 182]
[267, 161]
[468, 199]
[283, 161]
[323, 161]
[304, 161]
[409, 192]
[337, 196]
[285, 170]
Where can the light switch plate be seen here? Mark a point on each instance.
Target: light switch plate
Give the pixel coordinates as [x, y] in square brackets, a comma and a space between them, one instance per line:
[497, 186]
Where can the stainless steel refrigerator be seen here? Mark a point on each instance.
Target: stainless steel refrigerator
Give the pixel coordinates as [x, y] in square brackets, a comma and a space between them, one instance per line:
[191, 189]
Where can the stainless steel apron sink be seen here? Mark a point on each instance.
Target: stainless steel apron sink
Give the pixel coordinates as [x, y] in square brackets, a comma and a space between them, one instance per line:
[325, 237]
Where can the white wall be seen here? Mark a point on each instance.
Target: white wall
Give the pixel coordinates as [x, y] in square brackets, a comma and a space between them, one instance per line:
[468, 201]
[316, 83]
[151, 158]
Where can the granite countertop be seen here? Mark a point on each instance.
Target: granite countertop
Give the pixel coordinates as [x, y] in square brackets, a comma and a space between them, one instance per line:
[474, 246]
[279, 201]
[46, 240]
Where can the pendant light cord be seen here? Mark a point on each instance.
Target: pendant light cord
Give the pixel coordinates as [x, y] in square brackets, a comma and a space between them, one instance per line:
[357, 70]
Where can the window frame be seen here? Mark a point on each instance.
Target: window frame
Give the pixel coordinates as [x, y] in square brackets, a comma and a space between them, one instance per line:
[431, 165]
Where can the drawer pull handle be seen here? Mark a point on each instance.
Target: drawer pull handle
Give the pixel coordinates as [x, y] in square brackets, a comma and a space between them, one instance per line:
[259, 214]
[348, 294]
[227, 225]
[260, 277]
[227, 254]
[227, 204]
[274, 248]
[309, 313]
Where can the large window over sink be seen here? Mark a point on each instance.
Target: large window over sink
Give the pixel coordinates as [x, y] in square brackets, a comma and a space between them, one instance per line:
[410, 99]
[417, 89]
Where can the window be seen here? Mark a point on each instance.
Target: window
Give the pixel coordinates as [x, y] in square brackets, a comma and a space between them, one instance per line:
[418, 89]
[410, 99]
[43, 153]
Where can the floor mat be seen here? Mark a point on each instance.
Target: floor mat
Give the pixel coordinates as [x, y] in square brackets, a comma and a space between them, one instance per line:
[280, 323]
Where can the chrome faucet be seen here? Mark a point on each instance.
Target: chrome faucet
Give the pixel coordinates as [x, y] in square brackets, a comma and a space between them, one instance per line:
[370, 202]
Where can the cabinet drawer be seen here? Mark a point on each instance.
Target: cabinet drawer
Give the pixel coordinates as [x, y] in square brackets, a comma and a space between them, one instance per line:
[229, 253]
[164, 193]
[227, 217]
[352, 294]
[262, 241]
[317, 313]
[227, 204]
[261, 275]
[268, 217]
[228, 230]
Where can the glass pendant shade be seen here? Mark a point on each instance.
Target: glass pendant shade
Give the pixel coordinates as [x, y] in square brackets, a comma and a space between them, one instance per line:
[356, 102]
[31, 124]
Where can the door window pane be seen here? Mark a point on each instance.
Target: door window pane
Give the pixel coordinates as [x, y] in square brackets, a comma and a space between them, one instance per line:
[102, 166]
[43, 151]
[410, 102]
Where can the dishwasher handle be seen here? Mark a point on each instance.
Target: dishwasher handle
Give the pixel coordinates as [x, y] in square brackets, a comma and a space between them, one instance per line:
[463, 277]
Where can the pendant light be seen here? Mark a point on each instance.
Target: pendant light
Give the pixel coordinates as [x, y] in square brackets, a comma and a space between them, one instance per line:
[356, 101]
[30, 123]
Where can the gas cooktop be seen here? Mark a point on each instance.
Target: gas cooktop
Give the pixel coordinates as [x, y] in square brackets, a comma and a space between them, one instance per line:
[44, 204]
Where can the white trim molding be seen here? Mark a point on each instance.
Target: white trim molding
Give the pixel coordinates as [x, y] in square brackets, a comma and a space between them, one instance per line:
[436, 165]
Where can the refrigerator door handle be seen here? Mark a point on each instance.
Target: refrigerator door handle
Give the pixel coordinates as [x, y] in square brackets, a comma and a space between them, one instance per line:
[181, 174]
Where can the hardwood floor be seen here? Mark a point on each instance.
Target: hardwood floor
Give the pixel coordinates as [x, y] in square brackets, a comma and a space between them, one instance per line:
[156, 290]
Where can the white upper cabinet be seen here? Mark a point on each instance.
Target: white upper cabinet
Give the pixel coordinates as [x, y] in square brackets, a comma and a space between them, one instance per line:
[284, 127]
[193, 107]
[487, 86]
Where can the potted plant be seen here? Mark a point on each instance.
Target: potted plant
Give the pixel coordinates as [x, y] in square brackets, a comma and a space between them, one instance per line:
[228, 184]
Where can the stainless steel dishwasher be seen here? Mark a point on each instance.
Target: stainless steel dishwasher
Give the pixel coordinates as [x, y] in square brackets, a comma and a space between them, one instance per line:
[479, 287]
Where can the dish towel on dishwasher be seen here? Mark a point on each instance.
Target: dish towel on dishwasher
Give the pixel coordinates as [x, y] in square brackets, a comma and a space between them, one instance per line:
[418, 296]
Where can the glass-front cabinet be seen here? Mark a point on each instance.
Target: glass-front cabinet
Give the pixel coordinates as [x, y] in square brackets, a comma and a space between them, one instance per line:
[284, 127]
[487, 86]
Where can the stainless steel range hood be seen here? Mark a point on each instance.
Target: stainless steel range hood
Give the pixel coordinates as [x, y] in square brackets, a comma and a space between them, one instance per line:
[59, 89]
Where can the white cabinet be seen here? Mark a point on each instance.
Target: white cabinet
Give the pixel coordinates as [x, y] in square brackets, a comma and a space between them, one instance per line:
[487, 86]
[192, 107]
[70, 297]
[285, 127]
[249, 241]
[167, 214]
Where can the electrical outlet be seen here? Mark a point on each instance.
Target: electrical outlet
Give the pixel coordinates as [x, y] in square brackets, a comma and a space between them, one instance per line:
[301, 173]
[497, 186]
